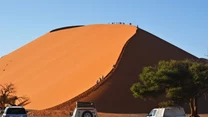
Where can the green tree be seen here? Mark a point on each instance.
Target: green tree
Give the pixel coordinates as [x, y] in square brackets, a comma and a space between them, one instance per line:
[8, 97]
[181, 82]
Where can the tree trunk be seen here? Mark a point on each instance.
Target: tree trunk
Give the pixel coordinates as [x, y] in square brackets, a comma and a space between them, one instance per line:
[193, 107]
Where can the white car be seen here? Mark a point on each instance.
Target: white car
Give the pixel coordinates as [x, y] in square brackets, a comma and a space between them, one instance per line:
[84, 109]
[14, 111]
[167, 112]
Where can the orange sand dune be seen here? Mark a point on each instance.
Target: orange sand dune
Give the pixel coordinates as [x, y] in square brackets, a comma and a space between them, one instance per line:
[113, 95]
[143, 49]
[62, 64]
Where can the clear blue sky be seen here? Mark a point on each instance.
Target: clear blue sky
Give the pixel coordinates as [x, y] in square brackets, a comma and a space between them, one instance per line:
[183, 23]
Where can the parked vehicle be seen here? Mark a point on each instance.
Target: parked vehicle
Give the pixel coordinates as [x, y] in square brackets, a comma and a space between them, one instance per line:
[84, 109]
[14, 111]
[167, 112]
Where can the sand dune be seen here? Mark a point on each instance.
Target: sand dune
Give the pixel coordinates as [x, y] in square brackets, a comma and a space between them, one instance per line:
[62, 64]
[114, 95]
[143, 49]
[61, 67]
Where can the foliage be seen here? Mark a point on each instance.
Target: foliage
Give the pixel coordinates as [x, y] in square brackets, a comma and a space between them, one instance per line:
[181, 82]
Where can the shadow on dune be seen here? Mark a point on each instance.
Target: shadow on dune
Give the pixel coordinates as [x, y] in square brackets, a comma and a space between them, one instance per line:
[113, 94]
[143, 49]
[66, 27]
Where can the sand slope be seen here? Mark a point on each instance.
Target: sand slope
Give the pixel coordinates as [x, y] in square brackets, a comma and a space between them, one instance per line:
[143, 49]
[114, 95]
[56, 69]
[62, 64]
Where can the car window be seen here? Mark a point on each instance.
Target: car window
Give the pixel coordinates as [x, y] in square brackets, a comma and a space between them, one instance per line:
[15, 111]
[153, 112]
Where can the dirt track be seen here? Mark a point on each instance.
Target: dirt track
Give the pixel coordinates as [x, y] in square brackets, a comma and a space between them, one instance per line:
[127, 115]
[120, 115]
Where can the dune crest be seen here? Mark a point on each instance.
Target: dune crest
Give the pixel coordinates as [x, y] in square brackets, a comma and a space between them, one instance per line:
[62, 64]
[114, 95]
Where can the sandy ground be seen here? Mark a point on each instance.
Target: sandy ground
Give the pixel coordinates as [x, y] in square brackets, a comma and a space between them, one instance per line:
[134, 115]
[120, 115]
[130, 115]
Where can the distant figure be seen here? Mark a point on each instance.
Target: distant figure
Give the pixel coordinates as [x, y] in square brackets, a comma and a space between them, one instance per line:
[129, 23]
[100, 79]
[137, 26]
[97, 82]
[102, 76]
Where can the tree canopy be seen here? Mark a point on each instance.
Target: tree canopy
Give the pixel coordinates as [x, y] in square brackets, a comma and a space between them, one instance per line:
[181, 81]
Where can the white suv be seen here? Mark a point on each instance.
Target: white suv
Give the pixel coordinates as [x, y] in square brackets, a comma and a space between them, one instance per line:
[167, 112]
[14, 111]
[84, 109]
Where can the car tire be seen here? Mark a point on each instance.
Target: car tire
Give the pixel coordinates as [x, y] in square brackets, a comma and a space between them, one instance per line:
[87, 114]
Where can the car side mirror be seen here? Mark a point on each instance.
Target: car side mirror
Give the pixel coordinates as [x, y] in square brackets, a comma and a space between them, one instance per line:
[71, 113]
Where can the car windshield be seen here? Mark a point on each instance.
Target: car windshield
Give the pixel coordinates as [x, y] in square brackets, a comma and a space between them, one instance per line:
[16, 111]
[85, 104]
